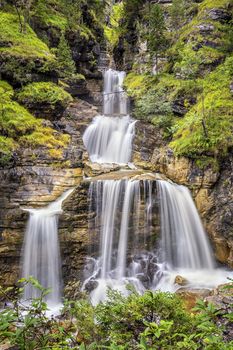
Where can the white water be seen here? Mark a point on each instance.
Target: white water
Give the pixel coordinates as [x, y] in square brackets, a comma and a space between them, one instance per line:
[184, 243]
[41, 253]
[115, 99]
[127, 213]
[119, 205]
[108, 139]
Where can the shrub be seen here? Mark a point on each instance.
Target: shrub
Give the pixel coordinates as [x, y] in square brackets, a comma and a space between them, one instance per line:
[146, 322]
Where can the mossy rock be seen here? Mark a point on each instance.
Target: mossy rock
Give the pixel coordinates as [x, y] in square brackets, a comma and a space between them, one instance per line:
[45, 99]
[207, 128]
[22, 54]
[20, 129]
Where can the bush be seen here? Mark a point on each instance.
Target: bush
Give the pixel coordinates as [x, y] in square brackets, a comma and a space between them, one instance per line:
[154, 320]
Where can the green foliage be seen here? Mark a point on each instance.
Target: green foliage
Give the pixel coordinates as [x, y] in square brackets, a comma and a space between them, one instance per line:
[7, 146]
[15, 43]
[19, 127]
[146, 322]
[114, 30]
[156, 38]
[177, 12]
[50, 14]
[28, 326]
[22, 53]
[137, 84]
[207, 127]
[132, 9]
[44, 93]
[65, 63]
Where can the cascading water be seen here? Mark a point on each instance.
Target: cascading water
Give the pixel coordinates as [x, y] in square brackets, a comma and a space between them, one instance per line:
[108, 139]
[150, 232]
[115, 99]
[126, 216]
[41, 253]
[184, 243]
[120, 206]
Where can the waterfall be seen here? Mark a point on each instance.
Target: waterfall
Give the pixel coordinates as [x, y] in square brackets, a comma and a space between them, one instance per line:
[184, 243]
[115, 99]
[41, 253]
[119, 206]
[149, 232]
[108, 139]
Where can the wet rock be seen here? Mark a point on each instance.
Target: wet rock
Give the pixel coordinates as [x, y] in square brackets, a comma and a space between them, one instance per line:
[72, 290]
[91, 285]
[180, 280]
[206, 28]
[218, 14]
[190, 296]
[95, 169]
[76, 86]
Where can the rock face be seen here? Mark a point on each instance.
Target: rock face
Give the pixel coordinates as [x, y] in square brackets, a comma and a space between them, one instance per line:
[35, 180]
[211, 188]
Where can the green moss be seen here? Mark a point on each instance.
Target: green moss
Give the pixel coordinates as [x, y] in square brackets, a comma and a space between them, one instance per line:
[207, 127]
[56, 20]
[201, 43]
[209, 4]
[113, 31]
[44, 92]
[15, 120]
[20, 44]
[46, 137]
[6, 89]
[19, 128]
[7, 146]
[137, 84]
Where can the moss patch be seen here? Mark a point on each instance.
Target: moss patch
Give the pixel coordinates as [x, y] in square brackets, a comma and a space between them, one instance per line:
[15, 43]
[44, 93]
[114, 29]
[19, 128]
[207, 128]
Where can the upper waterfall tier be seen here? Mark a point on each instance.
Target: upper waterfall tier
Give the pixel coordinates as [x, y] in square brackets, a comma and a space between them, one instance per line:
[109, 138]
[115, 99]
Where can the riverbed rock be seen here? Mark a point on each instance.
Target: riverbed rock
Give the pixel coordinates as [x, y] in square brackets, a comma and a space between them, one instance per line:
[182, 281]
[191, 295]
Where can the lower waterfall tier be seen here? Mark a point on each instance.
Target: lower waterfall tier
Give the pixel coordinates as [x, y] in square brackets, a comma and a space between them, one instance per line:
[148, 232]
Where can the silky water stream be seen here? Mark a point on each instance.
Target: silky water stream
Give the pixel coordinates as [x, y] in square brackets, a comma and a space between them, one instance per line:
[149, 231]
[41, 252]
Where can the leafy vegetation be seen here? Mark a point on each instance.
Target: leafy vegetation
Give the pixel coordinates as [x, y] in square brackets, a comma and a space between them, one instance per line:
[44, 93]
[20, 44]
[194, 83]
[114, 30]
[65, 63]
[207, 127]
[18, 127]
[146, 322]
